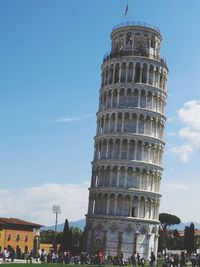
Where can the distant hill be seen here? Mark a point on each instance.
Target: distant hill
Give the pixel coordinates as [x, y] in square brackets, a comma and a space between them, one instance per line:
[181, 226]
[80, 224]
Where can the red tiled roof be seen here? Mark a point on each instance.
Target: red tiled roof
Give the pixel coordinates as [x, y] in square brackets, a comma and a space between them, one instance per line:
[16, 221]
[196, 232]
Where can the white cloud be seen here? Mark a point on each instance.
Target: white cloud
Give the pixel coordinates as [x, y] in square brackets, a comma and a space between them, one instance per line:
[183, 151]
[189, 115]
[181, 198]
[73, 119]
[68, 119]
[35, 203]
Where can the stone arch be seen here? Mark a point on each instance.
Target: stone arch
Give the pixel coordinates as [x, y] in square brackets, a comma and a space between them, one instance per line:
[115, 97]
[116, 149]
[106, 76]
[144, 73]
[124, 149]
[119, 122]
[122, 176]
[132, 148]
[122, 98]
[143, 99]
[129, 98]
[119, 205]
[139, 150]
[111, 72]
[123, 72]
[130, 72]
[151, 73]
[110, 148]
[135, 98]
[141, 124]
[133, 123]
[129, 38]
[137, 72]
[127, 122]
[111, 210]
[114, 176]
[116, 78]
[129, 181]
[134, 208]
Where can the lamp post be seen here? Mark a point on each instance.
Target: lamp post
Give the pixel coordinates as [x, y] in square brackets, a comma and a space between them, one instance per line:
[56, 209]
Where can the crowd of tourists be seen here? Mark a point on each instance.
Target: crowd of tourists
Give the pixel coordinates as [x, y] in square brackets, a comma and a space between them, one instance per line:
[82, 259]
[170, 260]
[181, 260]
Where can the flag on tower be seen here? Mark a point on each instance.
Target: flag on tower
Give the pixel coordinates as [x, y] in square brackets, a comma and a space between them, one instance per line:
[126, 10]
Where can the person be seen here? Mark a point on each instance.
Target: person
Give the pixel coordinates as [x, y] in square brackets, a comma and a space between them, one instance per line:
[182, 259]
[26, 256]
[152, 259]
[121, 260]
[31, 256]
[142, 262]
[133, 259]
[100, 258]
[42, 256]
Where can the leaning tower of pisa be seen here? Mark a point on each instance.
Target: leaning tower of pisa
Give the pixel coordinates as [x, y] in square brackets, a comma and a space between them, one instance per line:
[124, 195]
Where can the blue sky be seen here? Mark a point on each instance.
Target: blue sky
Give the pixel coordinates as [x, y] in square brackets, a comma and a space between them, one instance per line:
[50, 57]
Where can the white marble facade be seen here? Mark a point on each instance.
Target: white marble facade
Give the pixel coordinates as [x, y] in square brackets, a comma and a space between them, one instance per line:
[127, 168]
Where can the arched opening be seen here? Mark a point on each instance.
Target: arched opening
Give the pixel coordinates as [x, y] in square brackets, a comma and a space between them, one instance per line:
[112, 123]
[119, 123]
[124, 149]
[127, 122]
[131, 150]
[141, 124]
[119, 205]
[115, 94]
[127, 206]
[142, 207]
[123, 72]
[122, 177]
[143, 99]
[129, 181]
[129, 38]
[151, 71]
[116, 78]
[106, 78]
[117, 149]
[130, 72]
[110, 149]
[135, 98]
[129, 98]
[137, 73]
[114, 177]
[109, 99]
[112, 205]
[144, 73]
[122, 98]
[111, 74]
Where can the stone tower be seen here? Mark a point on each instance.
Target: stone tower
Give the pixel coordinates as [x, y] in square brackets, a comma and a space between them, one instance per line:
[125, 195]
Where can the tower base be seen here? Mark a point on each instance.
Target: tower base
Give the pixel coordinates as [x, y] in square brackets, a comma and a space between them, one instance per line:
[127, 236]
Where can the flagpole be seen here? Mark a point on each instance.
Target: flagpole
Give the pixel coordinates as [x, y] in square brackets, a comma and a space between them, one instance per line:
[128, 9]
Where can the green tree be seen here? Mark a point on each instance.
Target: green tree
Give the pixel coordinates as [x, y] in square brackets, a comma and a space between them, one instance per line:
[168, 220]
[189, 238]
[166, 237]
[76, 240]
[66, 243]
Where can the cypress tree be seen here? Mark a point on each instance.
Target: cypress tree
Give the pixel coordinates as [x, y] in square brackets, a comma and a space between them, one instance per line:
[66, 244]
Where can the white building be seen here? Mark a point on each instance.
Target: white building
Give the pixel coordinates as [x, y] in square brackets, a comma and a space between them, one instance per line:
[125, 195]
